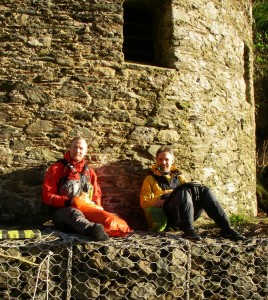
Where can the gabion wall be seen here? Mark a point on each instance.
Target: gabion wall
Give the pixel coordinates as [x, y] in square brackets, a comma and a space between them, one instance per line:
[140, 266]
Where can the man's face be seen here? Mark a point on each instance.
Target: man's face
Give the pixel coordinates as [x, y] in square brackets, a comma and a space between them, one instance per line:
[78, 150]
[164, 161]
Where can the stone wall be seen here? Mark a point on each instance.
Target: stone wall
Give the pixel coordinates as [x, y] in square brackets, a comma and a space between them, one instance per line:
[62, 74]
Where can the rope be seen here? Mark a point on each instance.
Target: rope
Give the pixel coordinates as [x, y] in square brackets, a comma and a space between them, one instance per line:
[47, 273]
[19, 258]
[69, 271]
[188, 270]
[48, 265]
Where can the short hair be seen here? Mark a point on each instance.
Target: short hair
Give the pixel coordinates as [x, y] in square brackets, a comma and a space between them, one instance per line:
[77, 138]
[164, 149]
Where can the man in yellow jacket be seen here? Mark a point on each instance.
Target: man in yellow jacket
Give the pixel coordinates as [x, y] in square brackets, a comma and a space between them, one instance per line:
[182, 202]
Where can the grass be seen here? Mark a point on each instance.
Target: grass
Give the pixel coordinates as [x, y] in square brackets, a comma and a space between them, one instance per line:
[238, 220]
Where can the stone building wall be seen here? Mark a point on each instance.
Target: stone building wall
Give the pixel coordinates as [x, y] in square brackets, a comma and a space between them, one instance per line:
[63, 73]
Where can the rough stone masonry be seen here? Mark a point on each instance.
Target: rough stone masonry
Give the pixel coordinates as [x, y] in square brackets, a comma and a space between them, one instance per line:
[63, 73]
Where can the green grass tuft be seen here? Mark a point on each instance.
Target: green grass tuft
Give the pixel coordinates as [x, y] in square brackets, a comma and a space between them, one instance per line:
[238, 220]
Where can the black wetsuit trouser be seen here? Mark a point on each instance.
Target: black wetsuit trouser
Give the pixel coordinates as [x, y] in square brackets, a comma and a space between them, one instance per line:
[187, 202]
[69, 219]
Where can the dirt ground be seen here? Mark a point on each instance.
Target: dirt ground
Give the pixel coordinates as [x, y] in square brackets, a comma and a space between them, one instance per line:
[255, 227]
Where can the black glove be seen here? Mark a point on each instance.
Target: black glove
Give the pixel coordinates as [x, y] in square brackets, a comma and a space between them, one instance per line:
[165, 196]
[68, 202]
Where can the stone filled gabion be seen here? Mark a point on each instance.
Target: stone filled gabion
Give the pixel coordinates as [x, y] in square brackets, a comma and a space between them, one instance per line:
[63, 73]
[139, 266]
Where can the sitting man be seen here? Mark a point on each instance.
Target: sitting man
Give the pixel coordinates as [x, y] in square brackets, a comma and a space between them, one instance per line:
[66, 179]
[182, 202]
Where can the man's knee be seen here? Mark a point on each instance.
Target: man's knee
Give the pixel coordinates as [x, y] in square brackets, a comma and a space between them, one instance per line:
[76, 213]
[186, 196]
[205, 190]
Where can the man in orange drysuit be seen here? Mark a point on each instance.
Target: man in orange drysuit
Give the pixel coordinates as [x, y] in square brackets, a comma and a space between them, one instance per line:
[67, 179]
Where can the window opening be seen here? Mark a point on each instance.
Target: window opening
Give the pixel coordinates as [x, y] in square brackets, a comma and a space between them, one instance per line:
[138, 35]
[147, 32]
[247, 71]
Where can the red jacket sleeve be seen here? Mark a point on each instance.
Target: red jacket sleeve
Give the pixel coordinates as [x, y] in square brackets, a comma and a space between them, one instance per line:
[97, 191]
[50, 189]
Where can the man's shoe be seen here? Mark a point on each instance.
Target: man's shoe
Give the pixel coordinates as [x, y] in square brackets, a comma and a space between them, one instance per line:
[97, 232]
[231, 234]
[190, 234]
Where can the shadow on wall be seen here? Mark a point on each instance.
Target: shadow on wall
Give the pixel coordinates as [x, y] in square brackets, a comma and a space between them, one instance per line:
[120, 182]
[20, 197]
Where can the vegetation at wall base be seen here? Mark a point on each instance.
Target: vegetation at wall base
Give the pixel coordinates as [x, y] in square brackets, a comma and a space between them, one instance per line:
[260, 40]
[238, 219]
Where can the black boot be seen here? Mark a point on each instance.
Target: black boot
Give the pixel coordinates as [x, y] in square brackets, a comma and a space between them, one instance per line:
[231, 234]
[191, 234]
[97, 232]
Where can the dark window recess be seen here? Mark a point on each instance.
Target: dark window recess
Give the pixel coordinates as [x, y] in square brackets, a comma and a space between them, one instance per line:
[247, 72]
[138, 43]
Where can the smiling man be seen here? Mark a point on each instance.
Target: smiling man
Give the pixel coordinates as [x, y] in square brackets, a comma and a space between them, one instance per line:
[65, 180]
[182, 202]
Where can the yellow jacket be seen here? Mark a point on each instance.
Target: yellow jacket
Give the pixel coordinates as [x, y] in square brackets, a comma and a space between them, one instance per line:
[151, 189]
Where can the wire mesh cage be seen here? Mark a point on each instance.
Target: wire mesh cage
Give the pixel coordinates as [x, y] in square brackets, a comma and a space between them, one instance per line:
[140, 266]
